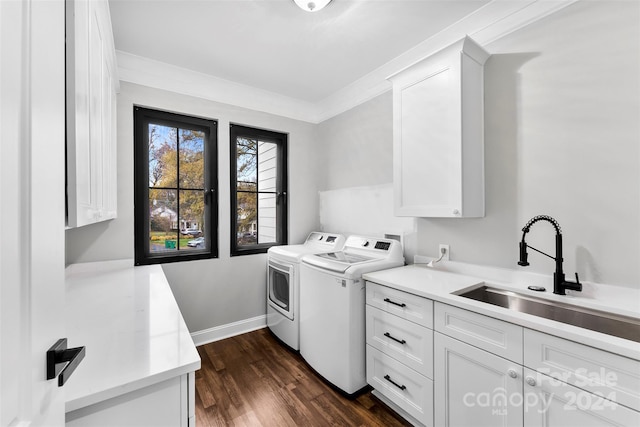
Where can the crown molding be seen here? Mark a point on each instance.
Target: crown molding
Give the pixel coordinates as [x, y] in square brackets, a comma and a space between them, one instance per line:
[160, 75]
[487, 24]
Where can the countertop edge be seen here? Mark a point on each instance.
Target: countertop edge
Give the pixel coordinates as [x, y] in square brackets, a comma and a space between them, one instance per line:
[102, 395]
[611, 344]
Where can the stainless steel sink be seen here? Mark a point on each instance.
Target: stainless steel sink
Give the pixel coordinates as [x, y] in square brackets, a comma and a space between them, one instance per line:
[595, 320]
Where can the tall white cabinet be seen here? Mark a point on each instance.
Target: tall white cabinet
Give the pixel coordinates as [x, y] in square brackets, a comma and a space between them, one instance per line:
[92, 84]
[438, 134]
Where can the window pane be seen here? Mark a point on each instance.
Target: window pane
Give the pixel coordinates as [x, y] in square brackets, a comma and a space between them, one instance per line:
[267, 218]
[267, 166]
[162, 156]
[246, 162]
[163, 221]
[191, 218]
[246, 218]
[191, 158]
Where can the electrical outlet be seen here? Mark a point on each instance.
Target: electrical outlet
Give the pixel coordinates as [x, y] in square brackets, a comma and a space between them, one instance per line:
[445, 254]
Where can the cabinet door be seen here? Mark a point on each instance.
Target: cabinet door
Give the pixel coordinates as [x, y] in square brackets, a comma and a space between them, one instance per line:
[438, 154]
[427, 152]
[473, 387]
[91, 88]
[552, 403]
[159, 405]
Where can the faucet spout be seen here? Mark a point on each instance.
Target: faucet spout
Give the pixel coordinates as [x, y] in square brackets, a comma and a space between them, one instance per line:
[560, 285]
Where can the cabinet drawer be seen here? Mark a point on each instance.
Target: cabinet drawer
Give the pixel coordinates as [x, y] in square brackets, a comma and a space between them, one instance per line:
[588, 368]
[408, 306]
[405, 341]
[402, 385]
[493, 335]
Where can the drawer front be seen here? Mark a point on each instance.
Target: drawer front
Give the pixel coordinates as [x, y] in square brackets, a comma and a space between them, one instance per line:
[600, 372]
[402, 385]
[408, 306]
[487, 333]
[405, 341]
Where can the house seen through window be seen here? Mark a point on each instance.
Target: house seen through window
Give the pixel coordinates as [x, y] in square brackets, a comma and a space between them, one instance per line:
[175, 187]
[258, 193]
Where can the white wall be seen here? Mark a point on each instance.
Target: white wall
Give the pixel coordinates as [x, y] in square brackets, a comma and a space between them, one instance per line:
[214, 292]
[357, 146]
[562, 138]
[356, 194]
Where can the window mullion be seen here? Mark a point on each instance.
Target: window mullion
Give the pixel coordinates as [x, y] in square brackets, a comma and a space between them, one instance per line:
[178, 188]
[257, 189]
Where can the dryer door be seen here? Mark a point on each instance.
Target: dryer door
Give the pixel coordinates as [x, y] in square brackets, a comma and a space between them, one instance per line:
[280, 282]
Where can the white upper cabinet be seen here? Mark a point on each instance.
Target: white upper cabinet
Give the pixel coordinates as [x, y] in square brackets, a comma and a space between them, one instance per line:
[91, 113]
[438, 134]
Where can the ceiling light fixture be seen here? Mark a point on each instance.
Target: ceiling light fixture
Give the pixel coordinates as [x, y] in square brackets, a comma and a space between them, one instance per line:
[312, 5]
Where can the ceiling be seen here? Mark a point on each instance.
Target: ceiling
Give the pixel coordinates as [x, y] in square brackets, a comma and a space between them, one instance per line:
[275, 46]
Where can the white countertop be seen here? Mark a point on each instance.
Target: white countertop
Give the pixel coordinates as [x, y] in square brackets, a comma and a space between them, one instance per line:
[438, 285]
[130, 324]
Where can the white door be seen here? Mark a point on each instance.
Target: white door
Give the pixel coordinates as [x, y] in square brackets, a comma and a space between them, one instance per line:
[32, 175]
[553, 403]
[473, 387]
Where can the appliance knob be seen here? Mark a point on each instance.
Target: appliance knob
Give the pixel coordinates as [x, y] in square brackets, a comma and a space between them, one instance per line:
[513, 373]
[531, 381]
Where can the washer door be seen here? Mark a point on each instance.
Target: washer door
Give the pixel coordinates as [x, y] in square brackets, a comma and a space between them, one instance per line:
[280, 288]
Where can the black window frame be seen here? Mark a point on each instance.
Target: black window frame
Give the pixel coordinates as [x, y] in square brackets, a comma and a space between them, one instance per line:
[282, 224]
[141, 120]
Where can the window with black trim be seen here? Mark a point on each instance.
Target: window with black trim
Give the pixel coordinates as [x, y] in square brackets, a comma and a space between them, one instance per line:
[175, 187]
[258, 189]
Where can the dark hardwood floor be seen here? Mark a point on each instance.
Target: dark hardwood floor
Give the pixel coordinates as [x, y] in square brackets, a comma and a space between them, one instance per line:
[252, 380]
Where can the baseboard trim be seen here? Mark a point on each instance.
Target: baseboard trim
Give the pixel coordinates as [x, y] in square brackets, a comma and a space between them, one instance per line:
[229, 330]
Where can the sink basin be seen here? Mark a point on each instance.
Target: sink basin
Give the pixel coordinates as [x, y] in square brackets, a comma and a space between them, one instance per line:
[595, 320]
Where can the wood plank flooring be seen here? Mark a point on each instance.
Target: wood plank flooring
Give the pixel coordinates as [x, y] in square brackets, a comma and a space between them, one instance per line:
[252, 380]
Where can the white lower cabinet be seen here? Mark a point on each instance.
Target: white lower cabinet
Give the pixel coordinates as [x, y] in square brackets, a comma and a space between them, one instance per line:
[400, 351]
[473, 387]
[553, 403]
[169, 403]
[473, 370]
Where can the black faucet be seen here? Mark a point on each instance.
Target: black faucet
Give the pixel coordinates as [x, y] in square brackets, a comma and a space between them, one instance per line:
[559, 283]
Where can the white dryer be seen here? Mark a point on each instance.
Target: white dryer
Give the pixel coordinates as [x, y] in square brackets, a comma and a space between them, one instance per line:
[332, 307]
[283, 283]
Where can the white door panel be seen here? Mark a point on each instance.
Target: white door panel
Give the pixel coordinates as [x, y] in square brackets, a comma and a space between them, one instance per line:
[32, 211]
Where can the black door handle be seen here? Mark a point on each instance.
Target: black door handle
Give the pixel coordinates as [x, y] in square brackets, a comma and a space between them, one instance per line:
[395, 303]
[62, 361]
[401, 387]
[388, 335]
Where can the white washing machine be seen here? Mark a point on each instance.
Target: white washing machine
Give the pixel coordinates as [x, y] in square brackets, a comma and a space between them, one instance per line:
[283, 283]
[332, 307]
